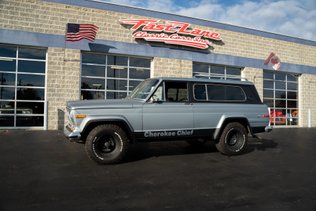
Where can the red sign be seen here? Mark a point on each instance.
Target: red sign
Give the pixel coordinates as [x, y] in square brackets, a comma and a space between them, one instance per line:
[274, 61]
[174, 33]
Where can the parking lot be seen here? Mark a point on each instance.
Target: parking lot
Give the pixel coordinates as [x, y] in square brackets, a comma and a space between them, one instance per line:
[40, 170]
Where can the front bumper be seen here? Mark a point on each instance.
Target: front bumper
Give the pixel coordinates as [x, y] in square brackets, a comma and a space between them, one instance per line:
[71, 133]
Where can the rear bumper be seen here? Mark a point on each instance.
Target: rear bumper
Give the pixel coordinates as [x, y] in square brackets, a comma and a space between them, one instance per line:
[72, 134]
[268, 129]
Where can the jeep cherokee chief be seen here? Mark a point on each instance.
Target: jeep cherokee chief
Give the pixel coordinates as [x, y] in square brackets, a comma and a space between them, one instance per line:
[194, 109]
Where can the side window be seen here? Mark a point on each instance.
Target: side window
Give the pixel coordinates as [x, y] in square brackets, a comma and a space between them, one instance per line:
[158, 95]
[252, 94]
[216, 92]
[176, 91]
[225, 93]
[235, 93]
[199, 92]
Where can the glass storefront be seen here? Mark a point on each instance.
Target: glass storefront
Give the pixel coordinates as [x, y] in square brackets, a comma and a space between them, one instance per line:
[22, 86]
[111, 76]
[216, 71]
[280, 93]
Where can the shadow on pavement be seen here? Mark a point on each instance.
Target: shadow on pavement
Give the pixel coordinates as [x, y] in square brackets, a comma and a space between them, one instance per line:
[260, 144]
[142, 151]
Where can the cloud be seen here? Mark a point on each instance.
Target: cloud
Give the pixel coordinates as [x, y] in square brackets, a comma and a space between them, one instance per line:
[287, 17]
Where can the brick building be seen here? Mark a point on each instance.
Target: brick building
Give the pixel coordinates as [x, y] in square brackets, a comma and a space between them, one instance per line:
[40, 71]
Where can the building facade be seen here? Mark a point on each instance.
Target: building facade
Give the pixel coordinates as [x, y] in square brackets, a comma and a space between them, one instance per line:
[40, 71]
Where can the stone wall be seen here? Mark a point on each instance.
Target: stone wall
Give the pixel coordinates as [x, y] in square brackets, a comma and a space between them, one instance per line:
[63, 76]
[162, 67]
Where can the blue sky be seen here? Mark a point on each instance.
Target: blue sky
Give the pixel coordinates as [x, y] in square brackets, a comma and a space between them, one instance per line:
[295, 18]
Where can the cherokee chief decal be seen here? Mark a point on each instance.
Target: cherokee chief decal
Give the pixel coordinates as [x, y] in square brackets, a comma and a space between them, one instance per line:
[158, 134]
[174, 33]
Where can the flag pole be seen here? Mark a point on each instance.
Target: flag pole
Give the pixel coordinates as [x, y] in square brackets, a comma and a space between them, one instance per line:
[65, 42]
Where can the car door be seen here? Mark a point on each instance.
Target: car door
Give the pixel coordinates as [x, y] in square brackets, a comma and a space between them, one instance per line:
[169, 109]
[206, 113]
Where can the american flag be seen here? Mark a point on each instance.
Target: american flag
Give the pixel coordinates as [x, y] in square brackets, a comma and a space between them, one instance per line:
[76, 32]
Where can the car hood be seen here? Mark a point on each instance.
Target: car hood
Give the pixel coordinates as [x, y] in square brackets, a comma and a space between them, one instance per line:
[91, 104]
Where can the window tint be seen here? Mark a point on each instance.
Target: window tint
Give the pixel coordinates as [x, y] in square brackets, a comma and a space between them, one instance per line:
[31, 53]
[31, 80]
[117, 60]
[216, 92]
[200, 92]
[31, 66]
[252, 94]
[176, 91]
[93, 58]
[234, 93]
[7, 51]
[139, 62]
[7, 79]
[7, 65]
[219, 92]
[93, 70]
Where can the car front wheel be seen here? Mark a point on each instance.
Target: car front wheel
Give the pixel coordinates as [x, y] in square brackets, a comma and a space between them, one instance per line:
[106, 144]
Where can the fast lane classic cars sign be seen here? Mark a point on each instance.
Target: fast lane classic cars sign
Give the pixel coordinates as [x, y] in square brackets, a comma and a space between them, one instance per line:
[173, 33]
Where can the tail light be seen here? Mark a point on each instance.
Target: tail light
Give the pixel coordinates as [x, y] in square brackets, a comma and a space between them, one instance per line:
[266, 115]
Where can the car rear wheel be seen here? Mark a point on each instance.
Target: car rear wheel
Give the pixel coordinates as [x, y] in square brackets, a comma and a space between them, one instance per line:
[233, 139]
[106, 144]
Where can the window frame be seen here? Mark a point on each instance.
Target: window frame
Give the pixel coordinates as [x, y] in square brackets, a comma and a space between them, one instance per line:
[287, 117]
[16, 101]
[211, 75]
[106, 66]
[218, 101]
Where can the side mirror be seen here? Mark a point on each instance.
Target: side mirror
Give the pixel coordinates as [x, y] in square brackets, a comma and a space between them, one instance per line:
[154, 99]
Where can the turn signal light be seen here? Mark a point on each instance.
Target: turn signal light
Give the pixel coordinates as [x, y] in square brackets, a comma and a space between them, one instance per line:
[80, 116]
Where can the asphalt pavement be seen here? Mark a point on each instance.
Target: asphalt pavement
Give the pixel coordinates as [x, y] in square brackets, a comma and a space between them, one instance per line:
[41, 170]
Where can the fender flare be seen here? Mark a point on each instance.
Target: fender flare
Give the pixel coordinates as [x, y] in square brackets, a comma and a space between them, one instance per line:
[85, 125]
[231, 118]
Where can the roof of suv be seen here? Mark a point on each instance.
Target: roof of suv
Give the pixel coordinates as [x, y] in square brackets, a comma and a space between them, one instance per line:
[206, 80]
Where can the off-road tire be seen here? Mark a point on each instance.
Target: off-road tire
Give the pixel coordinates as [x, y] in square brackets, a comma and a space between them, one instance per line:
[107, 144]
[233, 140]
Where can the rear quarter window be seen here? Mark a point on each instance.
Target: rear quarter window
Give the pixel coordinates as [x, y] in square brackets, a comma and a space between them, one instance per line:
[219, 93]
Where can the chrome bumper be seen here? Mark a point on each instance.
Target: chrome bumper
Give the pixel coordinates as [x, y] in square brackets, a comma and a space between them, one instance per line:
[268, 128]
[71, 134]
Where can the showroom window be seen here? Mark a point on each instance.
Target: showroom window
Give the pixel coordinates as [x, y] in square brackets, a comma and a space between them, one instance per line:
[280, 93]
[105, 76]
[22, 86]
[216, 71]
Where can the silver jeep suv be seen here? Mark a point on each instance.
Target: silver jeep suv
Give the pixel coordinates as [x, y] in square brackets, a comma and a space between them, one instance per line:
[195, 110]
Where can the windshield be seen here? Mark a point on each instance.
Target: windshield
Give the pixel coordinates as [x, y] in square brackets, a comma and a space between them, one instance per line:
[143, 89]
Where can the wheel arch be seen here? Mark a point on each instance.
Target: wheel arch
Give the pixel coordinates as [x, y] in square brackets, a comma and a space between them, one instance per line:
[226, 120]
[119, 122]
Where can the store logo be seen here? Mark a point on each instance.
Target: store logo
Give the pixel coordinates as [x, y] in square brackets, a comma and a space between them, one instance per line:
[174, 33]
